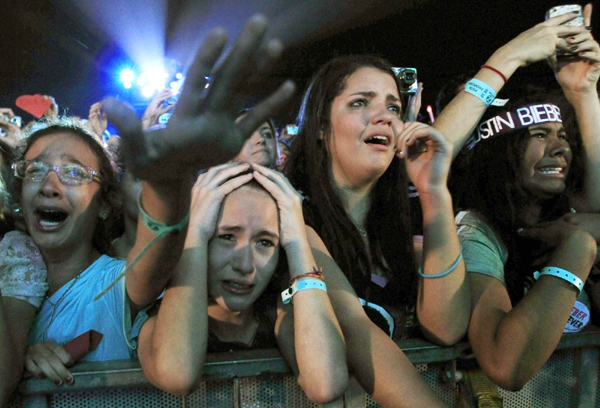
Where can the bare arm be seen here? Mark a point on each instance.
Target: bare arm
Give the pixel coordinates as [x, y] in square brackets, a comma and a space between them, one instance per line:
[443, 304]
[512, 344]
[379, 365]
[16, 319]
[458, 120]
[311, 340]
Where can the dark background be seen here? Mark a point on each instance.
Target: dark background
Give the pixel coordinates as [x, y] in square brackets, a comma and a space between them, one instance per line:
[70, 48]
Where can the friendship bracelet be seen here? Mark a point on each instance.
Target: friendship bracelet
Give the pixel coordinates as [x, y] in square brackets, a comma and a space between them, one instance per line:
[286, 295]
[446, 272]
[316, 273]
[496, 71]
[481, 90]
[158, 227]
[562, 274]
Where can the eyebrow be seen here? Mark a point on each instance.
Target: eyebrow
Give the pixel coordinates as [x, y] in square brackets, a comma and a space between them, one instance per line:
[371, 94]
[43, 156]
[237, 228]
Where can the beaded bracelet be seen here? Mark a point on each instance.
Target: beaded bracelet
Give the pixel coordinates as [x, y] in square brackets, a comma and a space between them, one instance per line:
[562, 274]
[446, 272]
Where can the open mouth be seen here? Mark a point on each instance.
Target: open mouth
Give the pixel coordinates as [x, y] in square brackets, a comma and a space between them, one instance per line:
[51, 218]
[378, 140]
[550, 171]
[238, 288]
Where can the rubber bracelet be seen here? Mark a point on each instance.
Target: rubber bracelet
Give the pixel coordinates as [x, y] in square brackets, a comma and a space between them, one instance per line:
[560, 273]
[287, 294]
[157, 227]
[496, 71]
[481, 90]
[446, 272]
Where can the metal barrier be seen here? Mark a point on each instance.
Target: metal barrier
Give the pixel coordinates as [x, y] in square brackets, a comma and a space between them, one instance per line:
[260, 378]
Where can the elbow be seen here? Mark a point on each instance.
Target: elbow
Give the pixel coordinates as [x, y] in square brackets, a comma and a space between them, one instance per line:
[511, 377]
[323, 389]
[445, 338]
[179, 379]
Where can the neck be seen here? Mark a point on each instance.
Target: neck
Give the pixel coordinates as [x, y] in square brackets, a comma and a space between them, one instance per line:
[356, 200]
[223, 316]
[231, 326]
[61, 269]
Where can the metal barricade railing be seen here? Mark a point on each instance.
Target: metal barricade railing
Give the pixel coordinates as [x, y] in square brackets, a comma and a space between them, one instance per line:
[260, 378]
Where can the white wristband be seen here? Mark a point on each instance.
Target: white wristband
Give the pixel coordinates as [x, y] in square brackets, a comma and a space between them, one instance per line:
[297, 286]
[560, 273]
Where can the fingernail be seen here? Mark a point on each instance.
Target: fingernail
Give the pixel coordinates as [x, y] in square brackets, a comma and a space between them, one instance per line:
[57, 382]
[69, 380]
[573, 48]
[572, 39]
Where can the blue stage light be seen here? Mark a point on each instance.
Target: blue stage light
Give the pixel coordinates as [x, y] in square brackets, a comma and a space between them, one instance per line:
[127, 76]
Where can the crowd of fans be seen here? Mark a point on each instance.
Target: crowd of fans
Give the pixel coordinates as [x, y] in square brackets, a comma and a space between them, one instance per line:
[217, 231]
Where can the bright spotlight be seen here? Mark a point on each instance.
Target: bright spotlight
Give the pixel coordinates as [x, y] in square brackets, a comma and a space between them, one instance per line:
[156, 78]
[141, 81]
[127, 76]
[179, 75]
[127, 85]
[148, 91]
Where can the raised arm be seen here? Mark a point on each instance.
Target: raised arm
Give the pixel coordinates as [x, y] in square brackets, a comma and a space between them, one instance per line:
[201, 133]
[513, 343]
[579, 79]
[443, 303]
[458, 120]
[310, 339]
[172, 344]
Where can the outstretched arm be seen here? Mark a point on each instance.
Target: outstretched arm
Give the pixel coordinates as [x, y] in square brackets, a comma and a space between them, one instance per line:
[201, 133]
[458, 120]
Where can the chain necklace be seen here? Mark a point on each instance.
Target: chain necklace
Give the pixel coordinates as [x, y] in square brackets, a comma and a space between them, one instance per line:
[55, 305]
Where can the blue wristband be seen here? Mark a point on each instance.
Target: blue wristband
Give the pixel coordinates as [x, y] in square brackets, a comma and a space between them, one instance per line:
[481, 90]
[560, 273]
[287, 294]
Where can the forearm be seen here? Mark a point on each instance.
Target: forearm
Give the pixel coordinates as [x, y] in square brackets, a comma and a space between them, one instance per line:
[167, 204]
[320, 350]
[587, 110]
[444, 304]
[459, 118]
[180, 334]
[512, 346]
[11, 360]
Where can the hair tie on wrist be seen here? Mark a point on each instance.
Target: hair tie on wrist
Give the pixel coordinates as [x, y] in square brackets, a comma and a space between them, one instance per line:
[159, 227]
[496, 71]
[446, 272]
[589, 28]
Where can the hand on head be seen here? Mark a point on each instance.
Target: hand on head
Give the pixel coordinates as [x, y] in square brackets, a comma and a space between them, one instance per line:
[97, 120]
[202, 131]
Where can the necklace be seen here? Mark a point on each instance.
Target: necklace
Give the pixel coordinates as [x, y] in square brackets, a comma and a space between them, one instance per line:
[362, 232]
[55, 305]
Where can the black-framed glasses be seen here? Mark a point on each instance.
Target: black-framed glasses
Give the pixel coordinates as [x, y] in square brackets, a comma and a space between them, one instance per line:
[69, 174]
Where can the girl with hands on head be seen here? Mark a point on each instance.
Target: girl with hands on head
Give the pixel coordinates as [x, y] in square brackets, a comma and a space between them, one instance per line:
[241, 226]
[67, 192]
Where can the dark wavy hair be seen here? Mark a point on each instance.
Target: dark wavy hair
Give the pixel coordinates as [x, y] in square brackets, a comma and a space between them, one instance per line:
[112, 227]
[487, 180]
[388, 221]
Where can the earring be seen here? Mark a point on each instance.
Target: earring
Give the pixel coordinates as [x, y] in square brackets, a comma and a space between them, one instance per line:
[17, 210]
[104, 215]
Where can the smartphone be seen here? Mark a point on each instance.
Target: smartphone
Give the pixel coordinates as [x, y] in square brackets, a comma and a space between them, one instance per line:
[568, 8]
[408, 79]
[164, 118]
